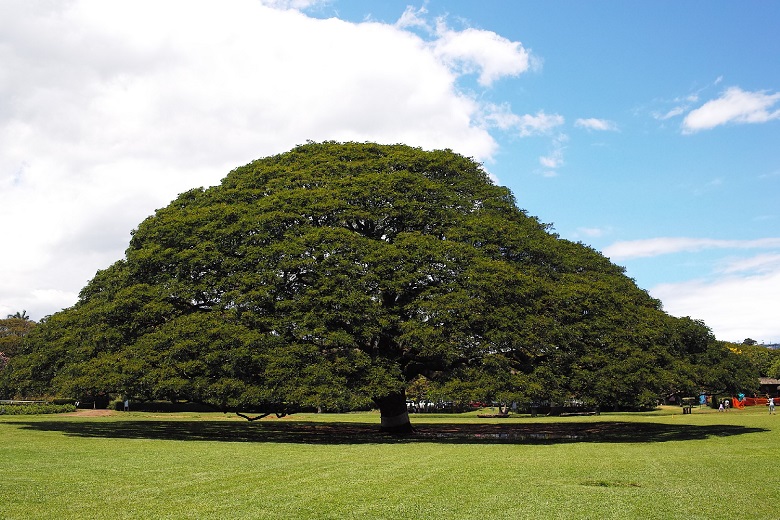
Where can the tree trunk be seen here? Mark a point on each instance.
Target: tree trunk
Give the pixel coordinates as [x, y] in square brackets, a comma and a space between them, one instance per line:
[395, 416]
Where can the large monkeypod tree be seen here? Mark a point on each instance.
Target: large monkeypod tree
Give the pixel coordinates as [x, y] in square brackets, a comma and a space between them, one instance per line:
[333, 275]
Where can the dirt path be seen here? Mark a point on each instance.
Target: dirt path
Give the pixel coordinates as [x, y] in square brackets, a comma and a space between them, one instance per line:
[96, 412]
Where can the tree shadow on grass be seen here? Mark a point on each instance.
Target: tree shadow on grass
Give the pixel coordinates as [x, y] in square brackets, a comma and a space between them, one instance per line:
[303, 432]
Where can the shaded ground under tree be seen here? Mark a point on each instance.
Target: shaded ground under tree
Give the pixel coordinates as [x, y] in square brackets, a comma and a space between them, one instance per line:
[306, 432]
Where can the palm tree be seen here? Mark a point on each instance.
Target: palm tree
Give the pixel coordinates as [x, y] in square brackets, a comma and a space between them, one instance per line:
[20, 315]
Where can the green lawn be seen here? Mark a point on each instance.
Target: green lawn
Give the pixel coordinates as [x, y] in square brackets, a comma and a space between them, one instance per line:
[707, 465]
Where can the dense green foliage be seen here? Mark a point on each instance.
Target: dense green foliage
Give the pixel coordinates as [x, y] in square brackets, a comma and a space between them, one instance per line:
[765, 361]
[333, 275]
[13, 329]
[35, 408]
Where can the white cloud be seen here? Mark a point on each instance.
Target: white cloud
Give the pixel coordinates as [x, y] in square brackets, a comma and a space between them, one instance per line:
[552, 161]
[737, 297]
[502, 117]
[292, 4]
[734, 106]
[540, 123]
[736, 307]
[111, 109]
[666, 245]
[592, 232]
[412, 17]
[676, 111]
[763, 263]
[472, 50]
[596, 124]
[771, 175]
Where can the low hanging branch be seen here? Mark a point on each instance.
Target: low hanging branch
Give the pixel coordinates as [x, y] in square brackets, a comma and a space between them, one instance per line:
[227, 409]
[279, 415]
[250, 419]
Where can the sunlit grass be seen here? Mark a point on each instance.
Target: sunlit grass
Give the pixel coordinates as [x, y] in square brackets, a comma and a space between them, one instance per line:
[707, 465]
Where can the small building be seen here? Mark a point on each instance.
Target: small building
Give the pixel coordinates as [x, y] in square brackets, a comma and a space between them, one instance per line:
[769, 386]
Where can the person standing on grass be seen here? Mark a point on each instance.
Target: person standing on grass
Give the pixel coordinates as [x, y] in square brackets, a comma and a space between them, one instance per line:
[720, 407]
[771, 405]
[127, 405]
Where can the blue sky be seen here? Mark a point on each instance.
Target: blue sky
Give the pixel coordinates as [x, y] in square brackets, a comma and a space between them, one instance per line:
[649, 131]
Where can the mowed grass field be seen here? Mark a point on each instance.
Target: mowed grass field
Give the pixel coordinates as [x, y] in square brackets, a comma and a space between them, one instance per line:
[707, 465]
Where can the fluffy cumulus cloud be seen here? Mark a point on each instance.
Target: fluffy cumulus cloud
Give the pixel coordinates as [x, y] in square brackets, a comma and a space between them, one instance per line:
[485, 52]
[111, 109]
[733, 106]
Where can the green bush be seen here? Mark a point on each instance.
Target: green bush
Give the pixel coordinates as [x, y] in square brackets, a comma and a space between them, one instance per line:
[35, 409]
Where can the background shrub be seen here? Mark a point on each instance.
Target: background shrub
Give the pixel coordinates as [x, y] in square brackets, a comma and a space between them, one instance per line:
[35, 409]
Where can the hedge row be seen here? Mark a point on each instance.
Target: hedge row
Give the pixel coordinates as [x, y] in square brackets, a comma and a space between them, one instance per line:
[35, 409]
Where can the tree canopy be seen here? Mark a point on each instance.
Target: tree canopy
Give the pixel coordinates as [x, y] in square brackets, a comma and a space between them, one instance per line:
[333, 275]
[13, 330]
